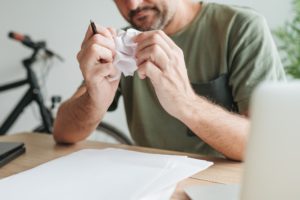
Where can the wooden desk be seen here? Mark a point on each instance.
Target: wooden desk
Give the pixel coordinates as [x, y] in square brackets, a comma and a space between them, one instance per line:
[42, 148]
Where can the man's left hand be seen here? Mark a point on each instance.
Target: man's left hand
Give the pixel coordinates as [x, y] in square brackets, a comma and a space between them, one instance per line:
[162, 61]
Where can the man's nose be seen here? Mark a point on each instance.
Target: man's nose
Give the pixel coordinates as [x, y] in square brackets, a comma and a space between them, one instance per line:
[133, 4]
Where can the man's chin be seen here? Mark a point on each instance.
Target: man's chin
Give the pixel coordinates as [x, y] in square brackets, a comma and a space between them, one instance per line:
[145, 27]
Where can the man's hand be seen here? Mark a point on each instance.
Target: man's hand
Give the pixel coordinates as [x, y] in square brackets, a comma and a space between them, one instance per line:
[81, 114]
[162, 61]
[96, 64]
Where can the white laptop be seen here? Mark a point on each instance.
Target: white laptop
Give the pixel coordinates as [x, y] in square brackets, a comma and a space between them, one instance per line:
[272, 166]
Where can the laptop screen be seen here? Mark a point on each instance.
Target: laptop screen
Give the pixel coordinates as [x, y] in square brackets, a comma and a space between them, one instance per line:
[273, 152]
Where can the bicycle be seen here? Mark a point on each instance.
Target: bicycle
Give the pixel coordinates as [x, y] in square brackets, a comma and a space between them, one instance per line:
[34, 94]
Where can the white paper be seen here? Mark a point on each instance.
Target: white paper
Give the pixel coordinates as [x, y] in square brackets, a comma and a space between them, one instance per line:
[163, 194]
[125, 60]
[102, 174]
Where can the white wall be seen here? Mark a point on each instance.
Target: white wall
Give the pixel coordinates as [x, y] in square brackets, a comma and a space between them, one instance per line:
[276, 12]
[63, 24]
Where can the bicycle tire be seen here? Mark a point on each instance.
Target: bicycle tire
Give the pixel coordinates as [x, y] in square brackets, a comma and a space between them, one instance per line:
[114, 133]
[41, 129]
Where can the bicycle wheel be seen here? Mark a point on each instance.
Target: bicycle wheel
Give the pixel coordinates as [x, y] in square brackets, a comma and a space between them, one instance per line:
[41, 129]
[109, 134]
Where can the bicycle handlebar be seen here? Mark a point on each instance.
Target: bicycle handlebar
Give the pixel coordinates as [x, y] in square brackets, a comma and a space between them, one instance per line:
[28, 42]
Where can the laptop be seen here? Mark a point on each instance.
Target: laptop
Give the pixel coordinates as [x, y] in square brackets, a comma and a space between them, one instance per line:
[9, 151]
[272, 166]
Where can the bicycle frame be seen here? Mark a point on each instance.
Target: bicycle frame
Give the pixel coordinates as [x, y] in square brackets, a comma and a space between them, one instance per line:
[32, 94]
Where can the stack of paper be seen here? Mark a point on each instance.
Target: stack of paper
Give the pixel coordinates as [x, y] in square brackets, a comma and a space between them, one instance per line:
[102, 174]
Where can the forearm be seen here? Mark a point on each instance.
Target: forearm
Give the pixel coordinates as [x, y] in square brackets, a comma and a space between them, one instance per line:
[224, 131]
[80, 115]
[76, 119]
[162, 61]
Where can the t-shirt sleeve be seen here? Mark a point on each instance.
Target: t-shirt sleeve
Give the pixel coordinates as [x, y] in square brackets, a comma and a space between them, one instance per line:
[252, 58]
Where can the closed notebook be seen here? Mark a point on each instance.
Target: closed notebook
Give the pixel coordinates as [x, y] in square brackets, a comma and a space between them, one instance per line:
[9, 151]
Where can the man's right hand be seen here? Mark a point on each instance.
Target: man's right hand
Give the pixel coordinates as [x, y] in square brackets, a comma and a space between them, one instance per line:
[96, 64]
[81, 114]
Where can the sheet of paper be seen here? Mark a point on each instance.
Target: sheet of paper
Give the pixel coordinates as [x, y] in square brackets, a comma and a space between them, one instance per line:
[102, 174]
[177, 168]
[125, 60]
[164, 194]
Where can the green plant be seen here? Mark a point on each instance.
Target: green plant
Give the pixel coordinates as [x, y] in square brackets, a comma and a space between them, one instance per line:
[289, 42]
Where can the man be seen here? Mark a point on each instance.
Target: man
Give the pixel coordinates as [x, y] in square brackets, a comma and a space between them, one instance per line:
[197, 66]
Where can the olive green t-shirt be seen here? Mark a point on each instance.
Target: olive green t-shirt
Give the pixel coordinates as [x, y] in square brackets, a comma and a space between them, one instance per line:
[221, 40]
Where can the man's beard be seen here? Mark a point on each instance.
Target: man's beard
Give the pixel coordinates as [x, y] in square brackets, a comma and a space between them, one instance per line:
[161, 19]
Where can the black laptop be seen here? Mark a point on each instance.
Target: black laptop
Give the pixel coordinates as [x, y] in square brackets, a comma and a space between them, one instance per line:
[10, 150]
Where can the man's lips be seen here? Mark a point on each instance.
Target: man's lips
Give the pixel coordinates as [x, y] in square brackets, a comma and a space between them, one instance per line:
[141, 15]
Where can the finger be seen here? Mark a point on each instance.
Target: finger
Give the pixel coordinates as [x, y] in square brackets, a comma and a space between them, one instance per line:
[112, 31]
[103, 70]
[155, 54]
[100, 30]
[94, 54]
[106, 70]
[102, 41]
[152, 39]
[98, 71]
[142, 36]
[148, 69]
[79, 55]
[141, 73]
[88, 34]
[167, 39]
[114, 75]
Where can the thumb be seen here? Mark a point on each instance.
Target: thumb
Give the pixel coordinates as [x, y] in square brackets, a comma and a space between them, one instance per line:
[151, 71]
